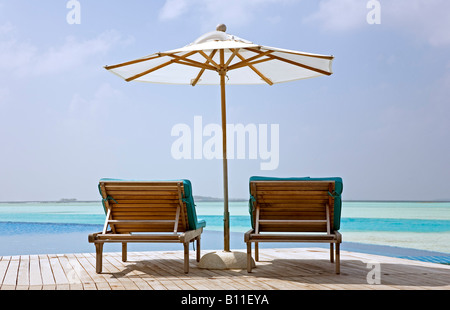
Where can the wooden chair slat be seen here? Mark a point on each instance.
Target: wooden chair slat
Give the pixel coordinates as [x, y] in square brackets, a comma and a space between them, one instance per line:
[286, 207]
[136, 208]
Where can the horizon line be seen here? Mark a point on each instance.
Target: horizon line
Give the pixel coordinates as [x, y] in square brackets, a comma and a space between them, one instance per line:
[214, 199]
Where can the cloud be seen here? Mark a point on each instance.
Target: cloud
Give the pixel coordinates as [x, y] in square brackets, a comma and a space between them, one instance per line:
[74, 53]
[425, 20]
[13, 53]
[26, 59]
[4, 95]
[173, 9]
[6, 28]
[339, 15]
[105, 96]
[236, 12]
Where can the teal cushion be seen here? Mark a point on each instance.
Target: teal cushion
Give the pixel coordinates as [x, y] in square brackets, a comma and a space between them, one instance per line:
[188, 198]
[337, 194]
[194, 223]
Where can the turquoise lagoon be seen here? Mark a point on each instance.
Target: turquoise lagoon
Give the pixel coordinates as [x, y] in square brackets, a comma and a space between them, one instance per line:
[416, 225]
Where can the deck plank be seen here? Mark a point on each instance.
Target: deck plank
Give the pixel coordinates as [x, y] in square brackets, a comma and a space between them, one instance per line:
[72, 277]
[10, 279]
[35, 275]
[23, 275]
[117, 269]
[4, 264]
[99, 280]
[133, 281]
[85, 278]
[278, 269]
[48, 280]
[61, 281]
[165, 266]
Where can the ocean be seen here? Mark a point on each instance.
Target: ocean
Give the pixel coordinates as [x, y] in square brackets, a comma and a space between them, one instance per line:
[413, 225]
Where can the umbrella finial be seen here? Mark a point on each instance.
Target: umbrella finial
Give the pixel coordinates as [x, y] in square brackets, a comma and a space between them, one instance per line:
[221, 27]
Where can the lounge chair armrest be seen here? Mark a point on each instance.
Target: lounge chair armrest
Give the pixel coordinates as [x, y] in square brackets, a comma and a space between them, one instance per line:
[190, 235]
[338, 236]
[247, 235]
[93, 237]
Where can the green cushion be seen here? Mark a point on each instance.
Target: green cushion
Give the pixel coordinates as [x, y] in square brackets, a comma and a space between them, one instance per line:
[337, 194]
[188, 198]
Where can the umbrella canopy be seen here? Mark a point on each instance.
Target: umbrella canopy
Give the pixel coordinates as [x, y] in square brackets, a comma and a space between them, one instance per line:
[244, 62]
[218, 58]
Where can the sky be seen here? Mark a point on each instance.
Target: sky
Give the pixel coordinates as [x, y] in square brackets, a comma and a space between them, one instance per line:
[381, 121]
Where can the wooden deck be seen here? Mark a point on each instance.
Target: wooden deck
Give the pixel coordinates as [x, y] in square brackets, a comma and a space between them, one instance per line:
[279, 269]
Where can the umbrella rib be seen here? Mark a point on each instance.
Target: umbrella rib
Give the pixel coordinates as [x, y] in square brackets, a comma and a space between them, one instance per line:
[295, 53]
[150, 70]
[196, 65]
[132, 62]
[195, 81]
[235, 51]
[294, 63]
[248, 61]
[186, 61]
[268, 81]
[209, 59]
[160, 66]
[243, 64]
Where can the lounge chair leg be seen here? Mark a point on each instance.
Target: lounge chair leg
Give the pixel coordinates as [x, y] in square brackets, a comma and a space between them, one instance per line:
[99, 257]
[198, 249]
[256, 251]
[124, 251]
[338, 259]
[332, 252]
[249, 257]
[186, 257]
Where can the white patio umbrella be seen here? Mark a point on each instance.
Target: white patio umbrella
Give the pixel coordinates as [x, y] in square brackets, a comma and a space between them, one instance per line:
[220, 58]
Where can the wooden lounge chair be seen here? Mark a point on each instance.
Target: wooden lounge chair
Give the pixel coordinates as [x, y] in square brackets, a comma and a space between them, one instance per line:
[147, 211]
[294, 210]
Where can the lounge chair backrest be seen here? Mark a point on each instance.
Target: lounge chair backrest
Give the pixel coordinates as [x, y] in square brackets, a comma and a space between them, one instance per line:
[293, 206]
[144, 206]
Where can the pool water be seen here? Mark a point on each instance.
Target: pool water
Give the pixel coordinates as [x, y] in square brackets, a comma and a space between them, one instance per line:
[416, 225]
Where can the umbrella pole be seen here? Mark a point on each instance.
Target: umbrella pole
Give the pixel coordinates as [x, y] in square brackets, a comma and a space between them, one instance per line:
[224, 259]
[226, 215]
